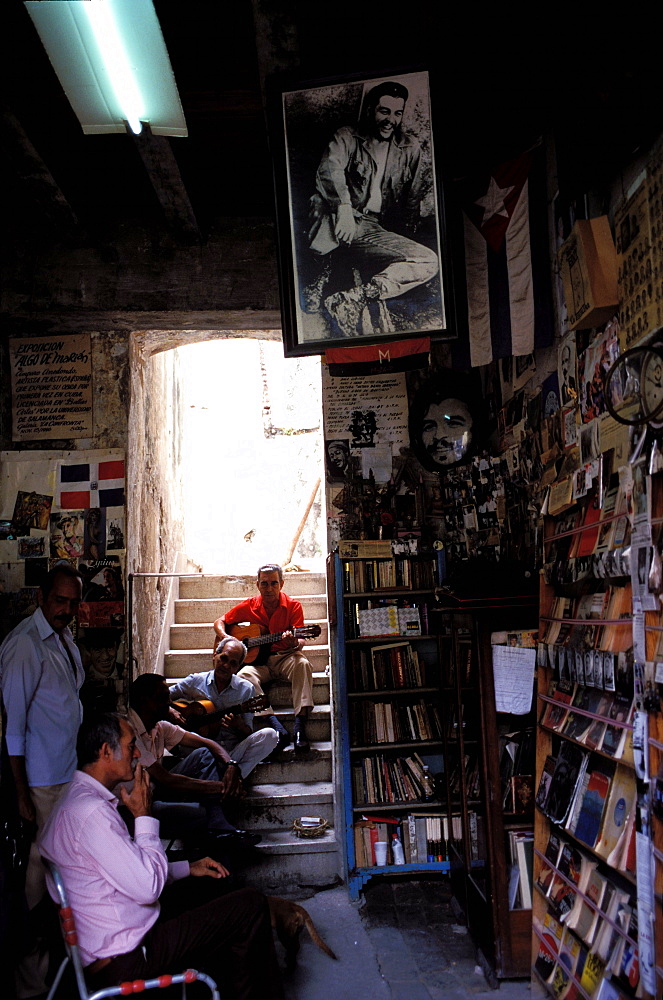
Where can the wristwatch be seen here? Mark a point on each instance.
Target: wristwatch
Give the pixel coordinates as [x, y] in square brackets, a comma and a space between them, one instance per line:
[229, 762]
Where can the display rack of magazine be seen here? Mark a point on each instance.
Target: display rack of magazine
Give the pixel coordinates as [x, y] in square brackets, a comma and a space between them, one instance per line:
[585, 905]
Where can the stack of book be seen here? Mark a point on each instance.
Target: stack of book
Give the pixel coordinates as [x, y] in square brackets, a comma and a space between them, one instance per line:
[394, 665]
[374, 722]
[378, 779]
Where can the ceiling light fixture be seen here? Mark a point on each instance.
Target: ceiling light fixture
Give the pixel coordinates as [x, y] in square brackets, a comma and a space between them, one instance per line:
[112, 61]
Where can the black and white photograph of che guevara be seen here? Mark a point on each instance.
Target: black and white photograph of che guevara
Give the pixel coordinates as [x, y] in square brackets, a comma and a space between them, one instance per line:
[363, 213]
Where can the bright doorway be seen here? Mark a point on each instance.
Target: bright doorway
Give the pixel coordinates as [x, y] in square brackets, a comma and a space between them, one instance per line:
[252, 454]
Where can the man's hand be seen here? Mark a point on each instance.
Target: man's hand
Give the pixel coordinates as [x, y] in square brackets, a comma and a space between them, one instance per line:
[175, 716]
[345, 227]
[26, 807]
[236, 724]
[289, 638]
[208, 866]
[231, 783]
[140, 800]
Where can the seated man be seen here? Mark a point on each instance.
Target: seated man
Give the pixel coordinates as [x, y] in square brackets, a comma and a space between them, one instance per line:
[276, 612]
[207, 775]
[224, 689]
[115, 883]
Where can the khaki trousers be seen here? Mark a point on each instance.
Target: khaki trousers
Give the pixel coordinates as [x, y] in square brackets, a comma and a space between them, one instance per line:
[32, 969]
[290, 665]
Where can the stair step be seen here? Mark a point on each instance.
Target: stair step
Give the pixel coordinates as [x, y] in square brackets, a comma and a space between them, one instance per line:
[241, 587]
[180, 662]
[285, 842]
[208, 609]
[275, 806]
[196, 634]
[285, 860]
[318, 722]
[280, 694]
[292, 768]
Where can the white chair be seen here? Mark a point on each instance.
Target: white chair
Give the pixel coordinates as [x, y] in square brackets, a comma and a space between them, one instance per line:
[73, 955]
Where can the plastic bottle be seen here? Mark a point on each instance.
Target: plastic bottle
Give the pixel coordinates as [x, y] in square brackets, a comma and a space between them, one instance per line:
[428, 784]
[397, 851]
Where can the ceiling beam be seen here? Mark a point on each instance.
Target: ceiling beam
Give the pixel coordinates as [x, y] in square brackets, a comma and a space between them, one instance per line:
[159, 160]
[33, 172]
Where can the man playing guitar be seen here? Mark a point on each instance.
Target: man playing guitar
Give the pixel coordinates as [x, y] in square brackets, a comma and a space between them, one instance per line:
[275, 612]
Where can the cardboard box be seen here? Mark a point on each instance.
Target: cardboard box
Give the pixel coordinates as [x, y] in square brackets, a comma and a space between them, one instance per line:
[588, 266]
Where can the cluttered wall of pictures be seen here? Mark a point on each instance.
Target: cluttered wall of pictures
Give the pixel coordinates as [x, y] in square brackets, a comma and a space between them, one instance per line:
[69, 507]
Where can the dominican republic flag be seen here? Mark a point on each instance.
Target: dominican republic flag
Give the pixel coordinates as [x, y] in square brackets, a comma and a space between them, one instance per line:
[93, 484]
[507, 270]
[379, 359]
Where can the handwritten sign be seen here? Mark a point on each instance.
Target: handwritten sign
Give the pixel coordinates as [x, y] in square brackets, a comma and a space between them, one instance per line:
[51, 387]
[385, 396]
[513, 671]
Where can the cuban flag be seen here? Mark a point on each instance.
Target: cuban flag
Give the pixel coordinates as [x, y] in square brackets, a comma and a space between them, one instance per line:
[91, 484]
[507, 272]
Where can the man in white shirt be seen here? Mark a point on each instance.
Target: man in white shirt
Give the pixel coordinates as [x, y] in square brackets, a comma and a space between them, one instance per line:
[208, 775]
[41, 674]
[115, 883]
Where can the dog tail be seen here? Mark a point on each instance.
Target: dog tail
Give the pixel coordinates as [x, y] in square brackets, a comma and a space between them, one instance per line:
[315, 937]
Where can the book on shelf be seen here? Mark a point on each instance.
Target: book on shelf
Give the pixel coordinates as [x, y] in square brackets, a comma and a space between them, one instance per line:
[616, 736]
[622, 858]
[563, 889]
[568, 969]
[549, 861]
[554, 715]
[525, 856]
[606, 524]
[608, 936]
[549, 939]
[577, 724]
[592, 973]
[586, 539]
[586, 814]
[570, 765]
[584, 917]
[521, 792]
[619, 806]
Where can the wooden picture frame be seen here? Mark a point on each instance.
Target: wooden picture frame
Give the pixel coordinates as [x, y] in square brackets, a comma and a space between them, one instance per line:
[361, 260]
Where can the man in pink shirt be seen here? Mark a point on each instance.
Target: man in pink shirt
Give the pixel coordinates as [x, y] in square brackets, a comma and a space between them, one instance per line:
[115, 883]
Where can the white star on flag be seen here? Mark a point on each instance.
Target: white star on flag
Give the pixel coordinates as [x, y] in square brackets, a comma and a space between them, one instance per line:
[493, 201]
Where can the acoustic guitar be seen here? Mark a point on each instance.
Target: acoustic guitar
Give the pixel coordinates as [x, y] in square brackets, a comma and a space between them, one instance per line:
[254, 638]
[203, 717]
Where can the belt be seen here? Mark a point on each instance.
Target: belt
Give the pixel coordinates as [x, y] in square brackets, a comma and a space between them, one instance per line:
[99, 964]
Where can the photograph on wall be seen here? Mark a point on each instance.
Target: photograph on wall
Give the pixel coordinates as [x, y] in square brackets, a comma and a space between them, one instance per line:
[67, 534]
[445, 420]
[359, 213]
[31, 510]
[115, 530]
[95, 533]
[102, 579]
[101, 651]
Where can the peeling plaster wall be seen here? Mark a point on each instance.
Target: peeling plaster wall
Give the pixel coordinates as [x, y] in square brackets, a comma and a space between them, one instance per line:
[155, 521]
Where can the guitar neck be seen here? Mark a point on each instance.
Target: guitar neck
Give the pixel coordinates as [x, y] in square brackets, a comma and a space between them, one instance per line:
[262, 640]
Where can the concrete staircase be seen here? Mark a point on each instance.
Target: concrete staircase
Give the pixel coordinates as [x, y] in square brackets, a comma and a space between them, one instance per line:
[277, 793]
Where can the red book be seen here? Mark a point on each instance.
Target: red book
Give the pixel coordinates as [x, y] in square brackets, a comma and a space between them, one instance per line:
[590, 532]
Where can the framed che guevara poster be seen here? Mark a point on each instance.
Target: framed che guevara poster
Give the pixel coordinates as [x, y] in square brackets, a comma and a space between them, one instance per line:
[361, 237]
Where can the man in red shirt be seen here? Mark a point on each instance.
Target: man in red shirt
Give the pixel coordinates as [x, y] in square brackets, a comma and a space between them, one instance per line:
[274, 611]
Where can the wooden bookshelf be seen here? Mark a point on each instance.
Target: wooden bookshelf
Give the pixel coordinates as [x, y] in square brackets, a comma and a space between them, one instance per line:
[478, 856]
